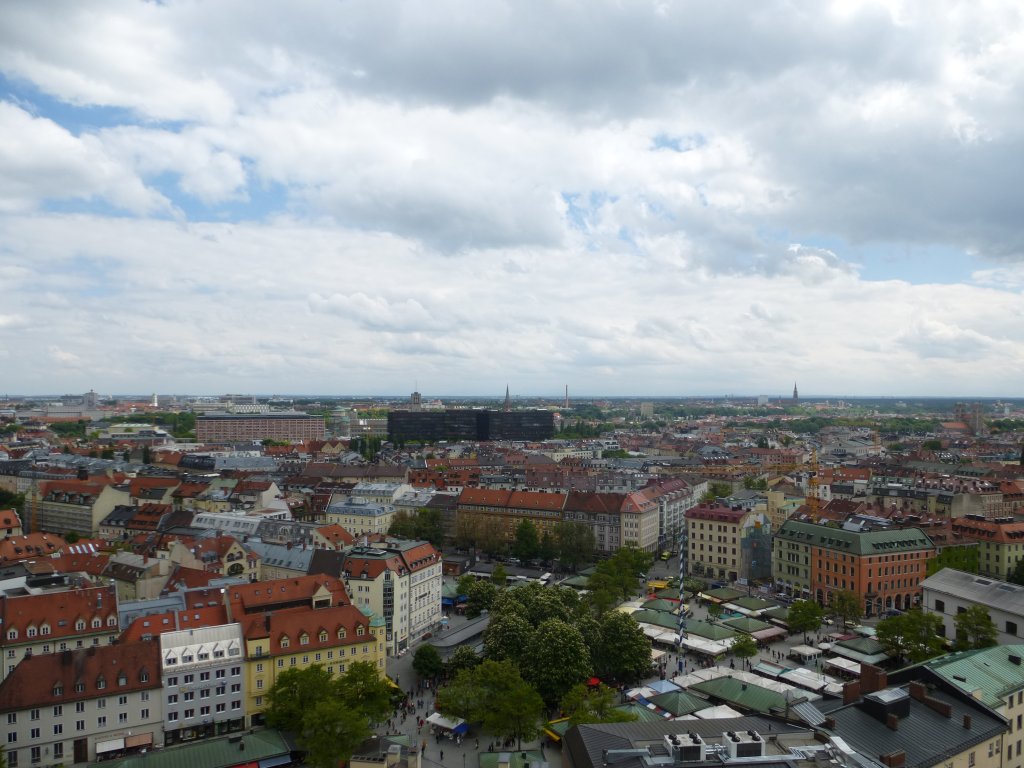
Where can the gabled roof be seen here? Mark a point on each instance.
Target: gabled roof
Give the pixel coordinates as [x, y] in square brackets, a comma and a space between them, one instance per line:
[292, 624]
[988, 674]
[61, 610]
[51, 678]
[267, 595]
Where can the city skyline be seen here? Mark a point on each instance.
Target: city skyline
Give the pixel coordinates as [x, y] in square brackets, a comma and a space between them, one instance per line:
[667, 198]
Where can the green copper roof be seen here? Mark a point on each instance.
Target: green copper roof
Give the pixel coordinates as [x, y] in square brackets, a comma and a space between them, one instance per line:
[988, 671]
[212, 753]
[709, 631]
[744, 695]
[746, 624]
[883, 542]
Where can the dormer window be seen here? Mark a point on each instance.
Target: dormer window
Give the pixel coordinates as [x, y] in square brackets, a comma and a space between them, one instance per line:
[80, 625]
[360, 630]
[79, 687]
[341, 633]
[122, 679]
[31, 631]
[323, 636]
[112, 621]
[303, 639]
[58, 690]
[144, 676]
[44, 630]
[12, 634]
[96, 623]
[100, 683]
[285, 642]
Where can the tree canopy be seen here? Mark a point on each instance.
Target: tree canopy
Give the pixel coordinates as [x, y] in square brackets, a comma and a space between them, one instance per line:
[744, 647]
[527, 541]
[846, 605]
[975, 629]
[330, 716]
[426, 524]
[622, 652]
[494, 695]
[804, 615]
[913, 635]
[575, 544]
[558, 660]
[585, 704]
[426, 662]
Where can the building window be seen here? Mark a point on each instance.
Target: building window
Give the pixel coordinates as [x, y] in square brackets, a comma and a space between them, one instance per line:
[79, 725]
[1011, 628]
[101, 721]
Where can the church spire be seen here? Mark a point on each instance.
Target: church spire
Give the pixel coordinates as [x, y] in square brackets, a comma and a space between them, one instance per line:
[796, 395]
[508, 400]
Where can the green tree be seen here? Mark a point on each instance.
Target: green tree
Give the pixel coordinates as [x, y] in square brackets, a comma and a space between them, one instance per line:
[913, 635]
[11, 500]
[495, 695]
[623, 651]
[547, 548]
[499, 577]
[716, 491]
[846, 605]
[1016, 576]
[557, 658]
[575, 544]
[107, 453]
[430, 526]
[426, 662]
[975, 629]
[508, 634]
[583, 704]
[960, 557]
[293, 692]
[480, 597]
[330, 732]
[465, 584]
[463, 657]
[402, 525]
[744, 647]
[932, 445]
[527, 542]
[362, 683]
[714, 611]
[803, 616]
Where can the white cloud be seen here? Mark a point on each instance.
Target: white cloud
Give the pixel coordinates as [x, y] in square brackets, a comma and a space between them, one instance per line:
[623, 197]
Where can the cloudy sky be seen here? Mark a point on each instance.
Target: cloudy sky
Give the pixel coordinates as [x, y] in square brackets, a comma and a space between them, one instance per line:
[625, 197]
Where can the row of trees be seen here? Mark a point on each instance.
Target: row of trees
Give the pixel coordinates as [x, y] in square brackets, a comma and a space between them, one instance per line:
[914, 636]
[426, 524]
[571, 543]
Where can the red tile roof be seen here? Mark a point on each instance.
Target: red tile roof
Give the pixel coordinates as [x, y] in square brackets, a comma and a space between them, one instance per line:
[29, 546]
[265, 595]
[168, 621]
[292, 624]
[47, 679]
[60, 610]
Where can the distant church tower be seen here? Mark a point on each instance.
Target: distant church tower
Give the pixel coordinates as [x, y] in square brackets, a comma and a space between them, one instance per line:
[416, 402]
[566, 406]
[508, 400]
[796, 395]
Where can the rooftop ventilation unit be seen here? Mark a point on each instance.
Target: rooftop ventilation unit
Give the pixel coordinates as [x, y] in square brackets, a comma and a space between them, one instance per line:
[686, 747]
[743, 744]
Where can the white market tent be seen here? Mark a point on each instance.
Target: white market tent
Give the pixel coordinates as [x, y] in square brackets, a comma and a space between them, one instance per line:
[458, 725]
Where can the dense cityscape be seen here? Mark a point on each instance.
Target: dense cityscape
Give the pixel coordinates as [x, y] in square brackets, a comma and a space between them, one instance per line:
[511, 384]
[511, 581]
